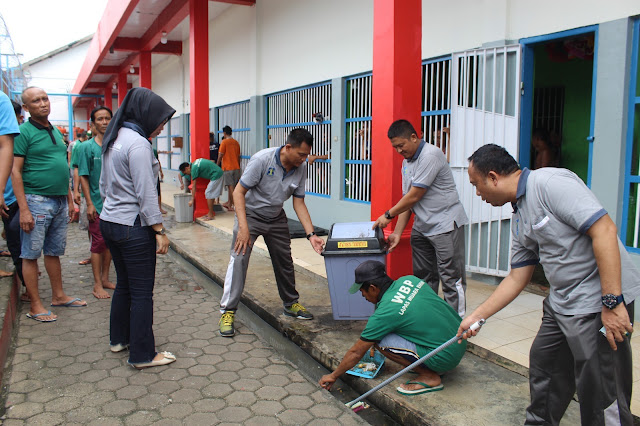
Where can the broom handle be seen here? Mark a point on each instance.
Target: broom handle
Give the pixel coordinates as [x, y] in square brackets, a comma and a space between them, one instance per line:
[474, 326]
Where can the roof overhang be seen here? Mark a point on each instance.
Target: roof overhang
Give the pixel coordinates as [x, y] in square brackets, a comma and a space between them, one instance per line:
[129, 27]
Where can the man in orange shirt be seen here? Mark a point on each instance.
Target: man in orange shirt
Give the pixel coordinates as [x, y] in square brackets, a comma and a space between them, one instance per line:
[229, 157]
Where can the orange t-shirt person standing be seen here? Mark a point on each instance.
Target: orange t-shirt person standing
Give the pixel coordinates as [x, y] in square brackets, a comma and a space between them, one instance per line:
[229, 160]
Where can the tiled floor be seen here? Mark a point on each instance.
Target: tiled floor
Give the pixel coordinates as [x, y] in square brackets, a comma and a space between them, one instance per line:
[508, 333]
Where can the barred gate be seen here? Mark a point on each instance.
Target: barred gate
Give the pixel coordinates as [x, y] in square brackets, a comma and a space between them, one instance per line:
[436, 103]
[310, 108]
[486, 96]
[236, 116]
[357, 159]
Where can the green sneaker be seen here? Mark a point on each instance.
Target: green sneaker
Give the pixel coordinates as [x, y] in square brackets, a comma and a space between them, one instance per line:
[298, 311]
[226, 324]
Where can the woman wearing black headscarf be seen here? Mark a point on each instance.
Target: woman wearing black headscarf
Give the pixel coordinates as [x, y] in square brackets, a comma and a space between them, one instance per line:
[131, 222]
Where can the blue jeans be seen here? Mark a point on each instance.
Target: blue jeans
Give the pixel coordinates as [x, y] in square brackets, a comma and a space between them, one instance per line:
[133, 249]
[51, 216]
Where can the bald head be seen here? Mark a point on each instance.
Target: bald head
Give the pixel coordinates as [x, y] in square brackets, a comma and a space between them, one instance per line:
[36, 102]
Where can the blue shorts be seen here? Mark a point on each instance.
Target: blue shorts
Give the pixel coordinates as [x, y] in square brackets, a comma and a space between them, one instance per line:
[400, 346]
[49, 235]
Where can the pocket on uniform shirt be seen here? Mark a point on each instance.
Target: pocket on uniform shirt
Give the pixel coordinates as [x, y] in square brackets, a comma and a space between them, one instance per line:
[541, 223]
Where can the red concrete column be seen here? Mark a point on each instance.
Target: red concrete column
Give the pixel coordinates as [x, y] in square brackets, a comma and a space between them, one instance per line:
[145, 70]
[396, 88]
[108, 97]
[199, 90]
[122, 87]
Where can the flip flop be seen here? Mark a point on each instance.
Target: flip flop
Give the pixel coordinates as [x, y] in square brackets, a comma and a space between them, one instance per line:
[70, 304]
[425, 389]
[85, 262]
[36, 317]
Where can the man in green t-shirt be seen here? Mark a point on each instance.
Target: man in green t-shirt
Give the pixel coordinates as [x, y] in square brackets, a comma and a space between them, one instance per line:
[205, 169]
[409, 321]
[40, 178]
[89, 169]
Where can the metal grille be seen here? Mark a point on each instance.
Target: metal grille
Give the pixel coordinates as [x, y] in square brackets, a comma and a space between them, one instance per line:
[357, 163]
[485, 110]
[302, 108]
[436, 103]
[236, 116]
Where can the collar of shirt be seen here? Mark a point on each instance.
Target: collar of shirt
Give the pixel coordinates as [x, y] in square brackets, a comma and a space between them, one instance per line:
[285, 173]
[417, 154]
[49, 129]
[522, 187]
[135, 128]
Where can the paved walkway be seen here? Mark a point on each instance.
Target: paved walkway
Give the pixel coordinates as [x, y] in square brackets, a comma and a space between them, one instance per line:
[64, 373]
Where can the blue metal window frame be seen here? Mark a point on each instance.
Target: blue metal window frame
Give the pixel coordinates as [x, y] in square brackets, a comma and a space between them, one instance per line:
[526, 99]
[633, 101]
[308, 123]
[344, 138]
[244, 129]
[431, 61]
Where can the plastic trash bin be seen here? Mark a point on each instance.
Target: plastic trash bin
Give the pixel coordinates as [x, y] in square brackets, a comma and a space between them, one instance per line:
[184, 213]
[348, 245]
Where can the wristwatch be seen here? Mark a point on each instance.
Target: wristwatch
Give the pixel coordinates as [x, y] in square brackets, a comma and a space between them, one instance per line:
[310, 235]
[161, 231]
[388, 215]
[611, 300]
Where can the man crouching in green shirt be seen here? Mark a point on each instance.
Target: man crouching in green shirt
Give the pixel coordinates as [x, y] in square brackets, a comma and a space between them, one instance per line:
[409, 321]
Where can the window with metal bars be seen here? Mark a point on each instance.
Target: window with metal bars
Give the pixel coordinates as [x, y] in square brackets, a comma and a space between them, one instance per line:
[236, 116]
[436, 103]
[309, 108]
[357, 159]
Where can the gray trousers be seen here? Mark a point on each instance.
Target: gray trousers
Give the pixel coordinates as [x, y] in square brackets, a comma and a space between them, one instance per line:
[569, 351]
[278, 240]
[441, 257]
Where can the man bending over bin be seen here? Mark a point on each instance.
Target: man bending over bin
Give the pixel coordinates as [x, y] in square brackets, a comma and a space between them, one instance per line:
[205, 169]
[409, 321]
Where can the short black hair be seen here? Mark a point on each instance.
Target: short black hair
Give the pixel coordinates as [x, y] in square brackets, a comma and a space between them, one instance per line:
[99, 108]
[17, 108]
[401, 129]
[382, 283]
[183, 166]
[299, 136]
[492, 157]
[227, 130]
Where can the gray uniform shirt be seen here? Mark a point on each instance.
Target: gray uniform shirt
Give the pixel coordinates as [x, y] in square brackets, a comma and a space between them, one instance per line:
[128, 181]
[440, 207]
[553, 212]
[269, 185]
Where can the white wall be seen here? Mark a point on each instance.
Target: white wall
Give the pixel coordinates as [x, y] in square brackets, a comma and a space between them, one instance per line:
[232, 47]
[303, 42]
[452, 26]
[57, 74]
[167, 81]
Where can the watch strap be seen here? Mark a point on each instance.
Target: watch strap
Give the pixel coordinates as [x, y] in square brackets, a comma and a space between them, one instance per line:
[311, 234]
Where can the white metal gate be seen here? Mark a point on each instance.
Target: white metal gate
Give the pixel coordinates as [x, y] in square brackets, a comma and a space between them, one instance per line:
[485, 109]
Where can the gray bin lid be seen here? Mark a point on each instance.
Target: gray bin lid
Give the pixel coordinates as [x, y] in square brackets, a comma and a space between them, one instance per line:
[355, 238]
